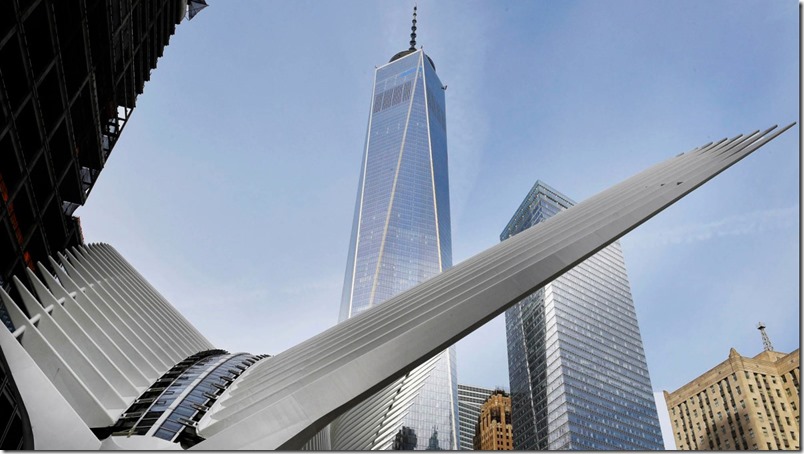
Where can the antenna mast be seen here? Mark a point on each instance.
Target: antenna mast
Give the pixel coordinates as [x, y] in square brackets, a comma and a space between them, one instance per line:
[766, 343]
[413, 30]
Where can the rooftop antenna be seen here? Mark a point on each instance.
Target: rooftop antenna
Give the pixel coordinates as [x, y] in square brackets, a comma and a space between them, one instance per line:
[413, 30]
[766, 343]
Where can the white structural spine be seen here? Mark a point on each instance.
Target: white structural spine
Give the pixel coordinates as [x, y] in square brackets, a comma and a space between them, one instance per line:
[317, 380]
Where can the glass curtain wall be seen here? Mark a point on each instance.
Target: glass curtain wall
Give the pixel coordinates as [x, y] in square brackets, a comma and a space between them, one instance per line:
[579, 378]
[401, 237]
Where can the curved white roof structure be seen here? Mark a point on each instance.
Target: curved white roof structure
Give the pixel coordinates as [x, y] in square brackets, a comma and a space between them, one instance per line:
[99, 337]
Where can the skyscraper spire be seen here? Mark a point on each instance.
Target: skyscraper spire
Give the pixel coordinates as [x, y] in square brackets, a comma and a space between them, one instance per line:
[766, 343]
[413, 30]
[412, 47]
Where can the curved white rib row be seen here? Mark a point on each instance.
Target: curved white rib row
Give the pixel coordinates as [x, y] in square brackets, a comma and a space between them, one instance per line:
[99, 332]
[374, 422]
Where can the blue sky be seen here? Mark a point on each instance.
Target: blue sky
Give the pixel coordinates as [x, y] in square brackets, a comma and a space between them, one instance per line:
[233, 185]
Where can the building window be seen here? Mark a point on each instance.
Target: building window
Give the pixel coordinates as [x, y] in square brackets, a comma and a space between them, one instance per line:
[778, 393]
[751, 433]
[738, 389]
[783, 407]
[787, 390]
[787, 420]
[742, 403]
[750, 387]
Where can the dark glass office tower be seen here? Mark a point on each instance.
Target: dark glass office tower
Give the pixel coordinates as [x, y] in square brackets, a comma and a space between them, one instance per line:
[401, 237]
[579, 379]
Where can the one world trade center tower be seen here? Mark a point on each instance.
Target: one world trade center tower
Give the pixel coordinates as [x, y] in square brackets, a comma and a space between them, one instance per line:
[401, 237]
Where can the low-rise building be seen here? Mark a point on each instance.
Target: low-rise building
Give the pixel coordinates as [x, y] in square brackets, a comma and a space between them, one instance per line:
[493, 431]
[742, 403]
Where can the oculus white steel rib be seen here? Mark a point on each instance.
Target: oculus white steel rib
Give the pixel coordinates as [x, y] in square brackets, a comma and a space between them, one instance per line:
[99, 348]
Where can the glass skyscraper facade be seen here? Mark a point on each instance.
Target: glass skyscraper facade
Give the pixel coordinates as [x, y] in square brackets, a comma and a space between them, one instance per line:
[578, 374]
[401, 237]
[470, 399]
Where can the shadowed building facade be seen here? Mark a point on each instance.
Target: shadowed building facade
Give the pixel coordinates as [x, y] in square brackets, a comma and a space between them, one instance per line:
[577, 369]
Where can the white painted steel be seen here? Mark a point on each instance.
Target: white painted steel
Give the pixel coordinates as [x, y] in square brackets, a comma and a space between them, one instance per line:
[283, 402]
[96, 322]
[377, 424]
[51, 417]
[99, 333]
[56, 368]
[84, 338]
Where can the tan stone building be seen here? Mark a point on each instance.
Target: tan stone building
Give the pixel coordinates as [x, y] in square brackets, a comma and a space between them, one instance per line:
[493, 431]
[742, 403]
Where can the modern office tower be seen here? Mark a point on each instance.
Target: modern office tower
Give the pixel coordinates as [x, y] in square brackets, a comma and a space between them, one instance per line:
[742, 403]
[401, 237]
[103, 361]
[70, 73]
[470, 399]
[493, 429]
[577, 369]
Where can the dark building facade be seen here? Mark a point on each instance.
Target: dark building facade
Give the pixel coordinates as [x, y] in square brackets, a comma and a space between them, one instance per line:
[70, 73]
